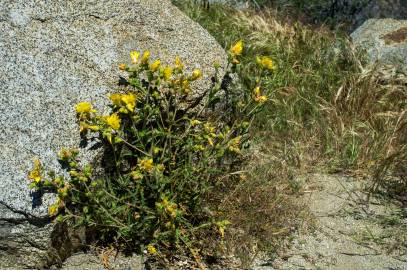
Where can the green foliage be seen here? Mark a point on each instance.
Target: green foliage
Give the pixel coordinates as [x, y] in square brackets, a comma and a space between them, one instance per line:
[326, 105]
[165, 147]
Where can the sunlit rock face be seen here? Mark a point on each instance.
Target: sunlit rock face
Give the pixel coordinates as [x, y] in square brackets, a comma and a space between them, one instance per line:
[385, 41]
[54, 54]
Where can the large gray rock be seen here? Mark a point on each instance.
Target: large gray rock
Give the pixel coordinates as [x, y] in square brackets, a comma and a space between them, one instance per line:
[91, 261]
[53, 54]
[385, 40]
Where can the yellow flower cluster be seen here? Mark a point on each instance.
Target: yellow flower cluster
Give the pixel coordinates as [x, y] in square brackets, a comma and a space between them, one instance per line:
[199, 147]
[155, 65]
[221, 227]
[113, 121]
[266, 62]
[234, 144]
[151, 249]
[258, 97]
[53, 210]
[237, 49]
[84, 127]
[167, 73]
[146, 164]
[209, 128]
[136, 175]
[178, 63]
[145, 57]
[35, 173]
[134, 56]
[83, 107]
[126, 102]
[169, 207]
[196, 74]
[195, 122]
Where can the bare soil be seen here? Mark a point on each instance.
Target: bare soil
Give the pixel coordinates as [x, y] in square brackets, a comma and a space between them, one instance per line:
[348, 231]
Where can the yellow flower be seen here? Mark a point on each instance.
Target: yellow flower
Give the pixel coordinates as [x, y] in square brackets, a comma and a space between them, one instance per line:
[35, 173]
[261, 99]
[235, 61]
[130, 101]
[266, 62]
[199, 147]
[113, 121]
[53, 210]
[134, 55]
[160, 167]
[122, 66]
[178, 63]
[116, 99]
[84, 127]
[151, 249]
[237, 49]
[167, 73]
[196, 74]
[145, 57]
[234, 144]
[171, 209]
[136, 175]
[256, 91]
[156, 150]
[146, 164]
[195, 122]
[185, 87]
[155, 65]
[84, 107]
[221, 227]
[209, 128]
[164, 202]
[257, 96]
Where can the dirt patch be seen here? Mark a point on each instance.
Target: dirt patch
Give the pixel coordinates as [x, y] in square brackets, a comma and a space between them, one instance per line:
[397, 36]
[349, 232]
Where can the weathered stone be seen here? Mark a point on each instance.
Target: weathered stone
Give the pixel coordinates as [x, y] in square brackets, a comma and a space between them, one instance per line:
[385, 40]
[54, 54]
[90, 261]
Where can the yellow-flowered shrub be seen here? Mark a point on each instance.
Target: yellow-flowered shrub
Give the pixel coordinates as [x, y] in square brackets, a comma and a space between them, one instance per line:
[164, 149]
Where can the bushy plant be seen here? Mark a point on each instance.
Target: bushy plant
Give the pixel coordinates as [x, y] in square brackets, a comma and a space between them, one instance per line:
[165, 147]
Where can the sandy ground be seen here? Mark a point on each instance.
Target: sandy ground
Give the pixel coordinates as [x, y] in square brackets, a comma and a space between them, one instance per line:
[342, 237]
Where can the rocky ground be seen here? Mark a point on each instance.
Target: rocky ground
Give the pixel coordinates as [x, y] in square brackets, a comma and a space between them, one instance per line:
[349, 232]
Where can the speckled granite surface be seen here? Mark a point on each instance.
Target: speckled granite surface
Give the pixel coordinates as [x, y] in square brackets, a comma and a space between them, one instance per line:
[55, 53]
[385, 40]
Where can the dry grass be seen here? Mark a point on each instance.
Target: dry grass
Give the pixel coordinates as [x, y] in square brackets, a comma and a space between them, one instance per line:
[328, 111]
[324, 96]
[263, 208]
